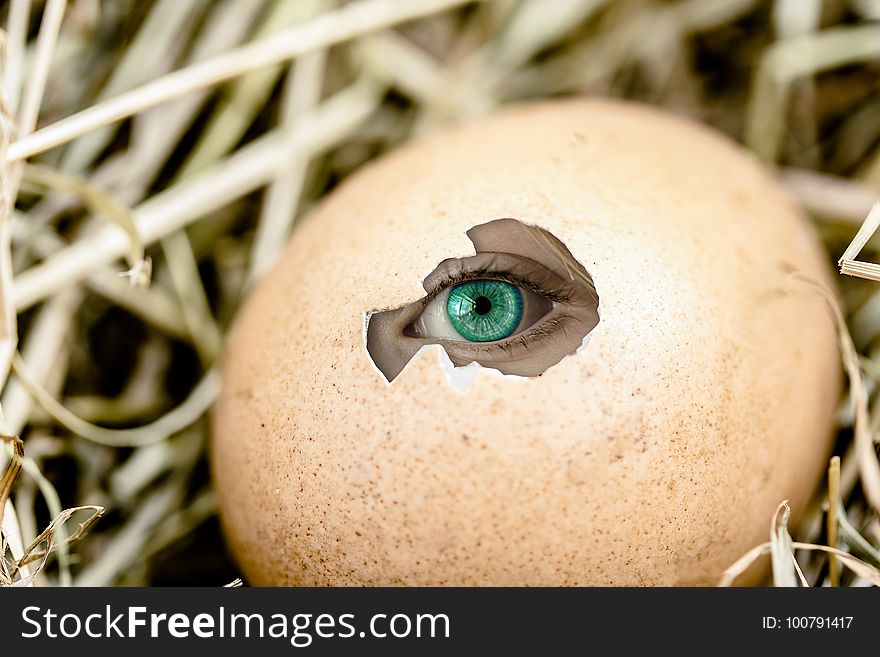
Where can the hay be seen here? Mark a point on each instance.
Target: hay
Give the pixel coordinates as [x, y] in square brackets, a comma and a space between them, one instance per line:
[186, 137]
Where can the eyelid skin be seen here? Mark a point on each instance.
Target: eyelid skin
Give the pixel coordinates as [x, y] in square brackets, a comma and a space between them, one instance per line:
[510, 251]
[515, 269]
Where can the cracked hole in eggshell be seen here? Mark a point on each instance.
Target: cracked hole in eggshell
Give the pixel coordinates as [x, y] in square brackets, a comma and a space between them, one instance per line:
[519, 305]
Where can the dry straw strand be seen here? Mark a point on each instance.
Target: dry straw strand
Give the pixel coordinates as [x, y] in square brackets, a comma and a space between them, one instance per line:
[248, 169]
[869, 466]
[833, 523]
[848, 263]
[353, 20]
[794, 58]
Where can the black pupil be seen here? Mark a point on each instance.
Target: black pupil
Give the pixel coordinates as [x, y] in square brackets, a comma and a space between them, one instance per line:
[482, 305]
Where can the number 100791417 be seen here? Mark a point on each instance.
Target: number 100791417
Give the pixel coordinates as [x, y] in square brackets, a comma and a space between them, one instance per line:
[807, 622]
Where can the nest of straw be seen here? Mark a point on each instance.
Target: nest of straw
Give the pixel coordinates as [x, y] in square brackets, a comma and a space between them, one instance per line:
[154, 156]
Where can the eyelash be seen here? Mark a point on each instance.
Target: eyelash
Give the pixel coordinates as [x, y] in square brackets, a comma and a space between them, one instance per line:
[528, 337]
[488, 274]
[525, 340]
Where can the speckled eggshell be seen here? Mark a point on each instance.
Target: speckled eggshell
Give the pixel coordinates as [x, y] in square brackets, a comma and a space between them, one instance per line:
[654, 456]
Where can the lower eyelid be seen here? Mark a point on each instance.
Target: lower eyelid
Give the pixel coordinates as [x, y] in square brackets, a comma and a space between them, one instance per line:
[542, 329]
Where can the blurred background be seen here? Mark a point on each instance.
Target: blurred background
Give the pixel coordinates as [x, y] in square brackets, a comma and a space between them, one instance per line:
[189, 187]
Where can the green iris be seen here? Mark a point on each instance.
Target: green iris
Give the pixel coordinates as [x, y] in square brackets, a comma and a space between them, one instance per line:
[482, 311]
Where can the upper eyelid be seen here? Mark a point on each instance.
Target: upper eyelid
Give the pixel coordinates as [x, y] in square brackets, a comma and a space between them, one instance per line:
[478, 275]
[488, 273]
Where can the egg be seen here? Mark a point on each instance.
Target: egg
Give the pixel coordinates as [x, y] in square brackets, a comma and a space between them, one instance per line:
[592, 360]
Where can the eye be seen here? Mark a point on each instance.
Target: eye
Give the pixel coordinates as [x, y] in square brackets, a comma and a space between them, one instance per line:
[519, 305]
[480, 311]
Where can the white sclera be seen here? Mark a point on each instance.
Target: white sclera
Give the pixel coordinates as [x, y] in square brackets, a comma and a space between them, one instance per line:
[434, 320]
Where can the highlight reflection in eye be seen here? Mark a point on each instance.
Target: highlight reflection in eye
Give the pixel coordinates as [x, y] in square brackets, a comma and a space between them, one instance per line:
[520, 305]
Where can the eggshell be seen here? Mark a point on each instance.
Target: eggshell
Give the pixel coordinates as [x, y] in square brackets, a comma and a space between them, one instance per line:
[655, 455]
